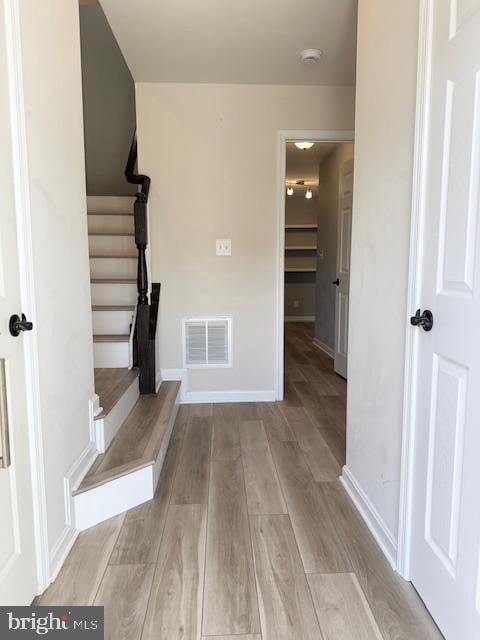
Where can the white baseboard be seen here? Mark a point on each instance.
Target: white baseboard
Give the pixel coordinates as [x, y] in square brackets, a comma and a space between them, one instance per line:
[72, 479]
[200, 397]
[299, 318]
[382, 534]
[323, 347]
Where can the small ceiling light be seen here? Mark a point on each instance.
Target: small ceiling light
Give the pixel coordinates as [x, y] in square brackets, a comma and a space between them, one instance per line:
[305, 145]
[309, 194]
[311, 56]
[290, 191]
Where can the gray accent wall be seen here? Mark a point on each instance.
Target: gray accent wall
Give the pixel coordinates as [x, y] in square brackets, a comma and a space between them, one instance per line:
[328, 208]
[108, 106]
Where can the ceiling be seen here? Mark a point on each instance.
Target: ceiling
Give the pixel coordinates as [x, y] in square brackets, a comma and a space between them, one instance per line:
[232, 41]
[303, 165]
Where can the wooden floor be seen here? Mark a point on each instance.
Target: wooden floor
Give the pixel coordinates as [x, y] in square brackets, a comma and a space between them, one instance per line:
[250, 535]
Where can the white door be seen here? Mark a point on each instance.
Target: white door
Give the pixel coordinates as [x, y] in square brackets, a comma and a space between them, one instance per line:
[445, 543]
[344, 236]
[17, 555]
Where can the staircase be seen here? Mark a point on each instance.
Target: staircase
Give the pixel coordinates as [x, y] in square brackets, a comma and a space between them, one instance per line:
[113, 270]
[131, 432]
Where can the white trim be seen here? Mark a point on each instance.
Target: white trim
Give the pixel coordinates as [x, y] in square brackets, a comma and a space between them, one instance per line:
[414, 283]
[282, 138]
[200, 397]
[299, 319]
[378, 528]
[73, 478]
[324, 347]
[25, 251]
[94, 409]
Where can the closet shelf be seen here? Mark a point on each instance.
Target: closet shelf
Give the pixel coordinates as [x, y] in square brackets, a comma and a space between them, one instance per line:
[300, 270]
[303, 247]
[301, 226]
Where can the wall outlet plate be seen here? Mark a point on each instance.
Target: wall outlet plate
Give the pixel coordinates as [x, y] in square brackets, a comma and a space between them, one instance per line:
[223, 247]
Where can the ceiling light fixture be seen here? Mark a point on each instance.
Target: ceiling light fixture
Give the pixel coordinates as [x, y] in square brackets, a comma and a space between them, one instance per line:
[290, 191]
[309, 194]
[304, 145]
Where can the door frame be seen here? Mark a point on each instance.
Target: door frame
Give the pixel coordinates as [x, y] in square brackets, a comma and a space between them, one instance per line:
[27, 293]
[283, 137]
[405, 518]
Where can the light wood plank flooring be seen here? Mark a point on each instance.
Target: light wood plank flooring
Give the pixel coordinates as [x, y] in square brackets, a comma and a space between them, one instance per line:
[250, 535]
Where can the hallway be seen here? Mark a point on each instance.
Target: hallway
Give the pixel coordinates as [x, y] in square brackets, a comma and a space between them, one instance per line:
[251, 535]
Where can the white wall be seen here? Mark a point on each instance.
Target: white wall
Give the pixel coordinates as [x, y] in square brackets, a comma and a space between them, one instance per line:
[384, 132]
[54, 130]
[211, 152]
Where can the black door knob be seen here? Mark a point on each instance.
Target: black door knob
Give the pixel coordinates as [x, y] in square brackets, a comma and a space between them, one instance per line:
[336, 282]
[17, 324]
[424, 320]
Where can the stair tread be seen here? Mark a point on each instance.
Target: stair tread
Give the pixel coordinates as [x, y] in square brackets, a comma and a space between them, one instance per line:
[131, 256]
[111, 337]
[111, 233]
[110, 213]
[113, 280]
[110, 385]
[138, 440]
[113, 307]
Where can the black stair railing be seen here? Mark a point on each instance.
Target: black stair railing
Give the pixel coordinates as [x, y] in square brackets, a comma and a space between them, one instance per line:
[147, 311]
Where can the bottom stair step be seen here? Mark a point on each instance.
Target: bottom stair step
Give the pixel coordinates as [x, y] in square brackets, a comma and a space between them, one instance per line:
[127, 474]
[118, 392]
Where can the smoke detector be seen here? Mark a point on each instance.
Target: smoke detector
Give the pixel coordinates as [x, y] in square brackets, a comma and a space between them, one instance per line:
[311, 56]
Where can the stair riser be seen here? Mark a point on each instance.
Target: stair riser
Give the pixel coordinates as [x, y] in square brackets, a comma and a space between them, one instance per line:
[110, 204]
[108, 355]
[109, 293]
[111, 322]
[107, 428]
[113, 267]
[112, 245]
[115, 497]
[117, 224]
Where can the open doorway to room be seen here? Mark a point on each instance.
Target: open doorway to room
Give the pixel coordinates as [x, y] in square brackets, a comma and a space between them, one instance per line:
[318, 216]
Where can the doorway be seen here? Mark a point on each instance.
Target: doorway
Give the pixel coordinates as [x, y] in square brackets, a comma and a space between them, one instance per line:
[315, 206]
[318, 184]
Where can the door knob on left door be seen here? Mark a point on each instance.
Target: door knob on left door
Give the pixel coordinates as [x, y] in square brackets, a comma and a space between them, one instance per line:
[17, 325]
[424, 320]
[336, 282]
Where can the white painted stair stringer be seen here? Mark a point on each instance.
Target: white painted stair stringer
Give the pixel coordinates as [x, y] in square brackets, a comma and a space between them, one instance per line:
[122, 493]
[106, 427]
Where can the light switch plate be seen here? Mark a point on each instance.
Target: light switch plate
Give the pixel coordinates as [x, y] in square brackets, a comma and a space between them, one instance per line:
[224, 247]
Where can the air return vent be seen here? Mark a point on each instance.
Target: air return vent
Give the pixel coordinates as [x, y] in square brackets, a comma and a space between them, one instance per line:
[207, 342]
